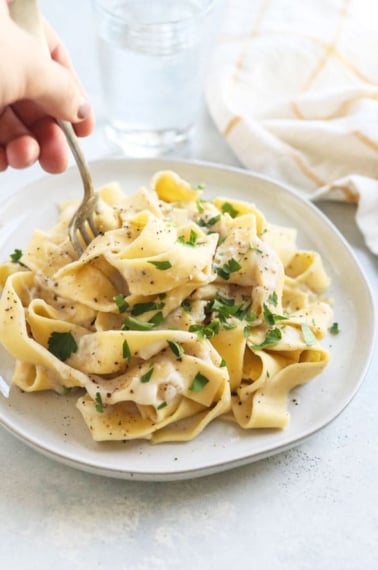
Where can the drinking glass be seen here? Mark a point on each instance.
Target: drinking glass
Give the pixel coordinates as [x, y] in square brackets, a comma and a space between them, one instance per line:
[152, 59]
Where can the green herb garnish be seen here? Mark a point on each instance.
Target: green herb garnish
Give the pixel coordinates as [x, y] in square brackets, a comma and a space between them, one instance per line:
[147, 376]
[206, 331]
[230, 267]
[191, 241]
[126, 353]
[308, 335]
[140, 308]
[162, 405]
[162, 265]
[133, 324]
[186, 306]
[334, 328]
[210, 222]
[121, 302]
[176, 348]
[62, 344]
[99, 404]
[273, 299]
[271, 318]
[228, 208]
[273, 336]
[16, 255]
[199, 382]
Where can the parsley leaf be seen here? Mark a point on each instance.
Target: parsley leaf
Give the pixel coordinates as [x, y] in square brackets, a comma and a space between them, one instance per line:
[162, 265]
[176, 348]
[273, 299]
[206, 331]
[16, 255]
[133, 324]
[273, 336]
[210, 222]
[126, 353]
[146, 377]
[230, 267]
[199, 382]
[191, 241]
[99, 404]
[334, 328]
[140, 308]
[186, 306]
[121, 302]
[228, 208]
[62, 344]
[308, 335]
[271, 318]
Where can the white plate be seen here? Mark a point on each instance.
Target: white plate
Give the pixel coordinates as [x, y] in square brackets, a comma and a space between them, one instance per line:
[52, 425]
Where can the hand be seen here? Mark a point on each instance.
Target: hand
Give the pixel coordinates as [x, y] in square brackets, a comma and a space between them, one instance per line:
[34, 91]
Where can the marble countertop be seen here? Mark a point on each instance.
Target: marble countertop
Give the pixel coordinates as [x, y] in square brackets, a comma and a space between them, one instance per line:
[310, 508]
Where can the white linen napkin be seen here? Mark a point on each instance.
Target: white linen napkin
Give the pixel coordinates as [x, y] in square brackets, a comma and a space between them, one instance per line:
[293, 86]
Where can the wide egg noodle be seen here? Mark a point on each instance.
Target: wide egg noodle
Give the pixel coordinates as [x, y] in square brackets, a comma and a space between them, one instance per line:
[207, 283]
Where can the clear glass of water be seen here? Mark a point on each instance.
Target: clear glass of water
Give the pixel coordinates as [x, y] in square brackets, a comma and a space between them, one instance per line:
[152, 56]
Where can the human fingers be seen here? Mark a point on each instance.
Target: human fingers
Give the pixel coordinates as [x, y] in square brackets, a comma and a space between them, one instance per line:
[53, 156]
[18, 146]
[22, 151]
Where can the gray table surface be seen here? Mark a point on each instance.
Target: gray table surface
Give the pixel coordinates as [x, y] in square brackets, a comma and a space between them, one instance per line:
[313, 507]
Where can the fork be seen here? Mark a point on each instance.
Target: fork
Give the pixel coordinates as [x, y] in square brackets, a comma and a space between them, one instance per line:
[82, 228]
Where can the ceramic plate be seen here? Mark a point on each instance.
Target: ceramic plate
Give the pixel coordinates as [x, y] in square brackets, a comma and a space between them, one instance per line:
[52, 425]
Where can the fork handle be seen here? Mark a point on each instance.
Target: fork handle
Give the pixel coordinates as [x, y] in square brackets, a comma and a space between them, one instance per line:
[79, 157]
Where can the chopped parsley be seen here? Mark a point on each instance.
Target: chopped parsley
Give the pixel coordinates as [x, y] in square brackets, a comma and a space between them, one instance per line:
[199, 205]
[206, 331]
[191, 241]
[16, 255]
[228, 208]
[140, 308]
[226, 308]
[157, 319]
[186, 306]
[62, 344]
[146, 377]
[273, 299]
[161, 265]
[308, 335]
[133, 324]
[334, 328]
[210, 222]
[162, 405]
[176, 348]
[230, 267]
[126, 353]
[121, 302]
[199, 382]
[272, 337]
[99, 404]
[271, 318]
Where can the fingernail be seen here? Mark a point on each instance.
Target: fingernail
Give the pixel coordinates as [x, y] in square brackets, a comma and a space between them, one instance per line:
[84, 110]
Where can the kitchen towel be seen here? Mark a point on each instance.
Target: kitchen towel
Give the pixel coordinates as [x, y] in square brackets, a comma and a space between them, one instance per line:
[293, 87]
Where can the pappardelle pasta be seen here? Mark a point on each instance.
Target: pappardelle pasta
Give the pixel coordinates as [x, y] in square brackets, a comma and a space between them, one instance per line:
[181, 311]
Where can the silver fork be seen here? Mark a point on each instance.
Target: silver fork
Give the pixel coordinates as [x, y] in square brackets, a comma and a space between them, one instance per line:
[82, 228]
